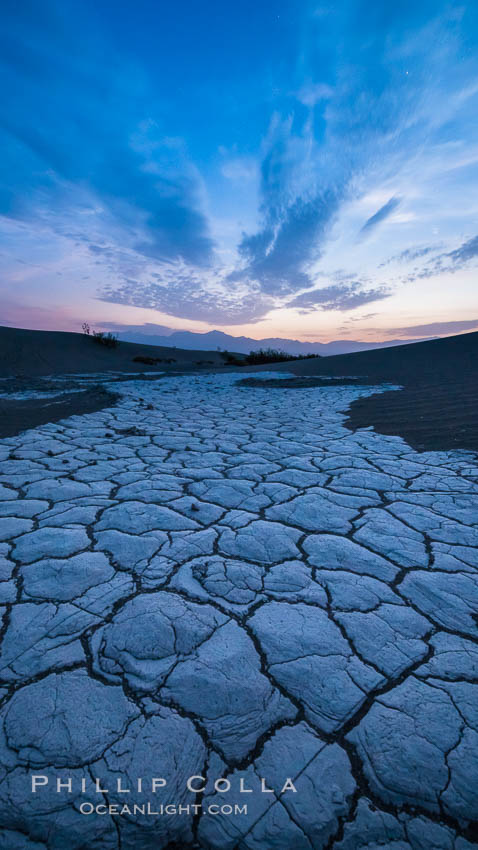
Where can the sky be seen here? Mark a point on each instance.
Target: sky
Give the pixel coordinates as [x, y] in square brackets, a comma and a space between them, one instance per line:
[298, 169]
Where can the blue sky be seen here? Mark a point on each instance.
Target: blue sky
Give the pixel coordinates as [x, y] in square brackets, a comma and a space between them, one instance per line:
[276, 168]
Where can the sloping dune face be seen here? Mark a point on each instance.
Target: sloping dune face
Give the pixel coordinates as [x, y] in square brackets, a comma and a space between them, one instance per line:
[210, 581]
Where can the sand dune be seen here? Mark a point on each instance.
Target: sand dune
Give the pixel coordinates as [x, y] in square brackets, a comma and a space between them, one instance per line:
[27, 352]
[438, 405]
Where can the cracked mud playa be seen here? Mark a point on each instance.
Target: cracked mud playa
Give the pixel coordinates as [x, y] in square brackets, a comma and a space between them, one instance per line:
[212, 580]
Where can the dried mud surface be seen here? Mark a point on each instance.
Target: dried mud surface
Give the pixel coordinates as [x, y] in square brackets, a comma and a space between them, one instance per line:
[225, 581]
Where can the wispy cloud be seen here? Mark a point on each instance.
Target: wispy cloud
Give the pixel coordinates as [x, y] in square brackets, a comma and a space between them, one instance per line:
[188, 294]
[297, 209]
[341, 297]
[438, 328]
[449, 262]
[312, 93]
[239, 169]
[383, 213]
[408, 255]
[466, 252]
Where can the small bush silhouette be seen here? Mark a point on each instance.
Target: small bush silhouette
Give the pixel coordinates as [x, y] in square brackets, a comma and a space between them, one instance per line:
[109, 340]
[152, 361]
[265, 355]
[231, 359]
[148, 361]
[268, 355]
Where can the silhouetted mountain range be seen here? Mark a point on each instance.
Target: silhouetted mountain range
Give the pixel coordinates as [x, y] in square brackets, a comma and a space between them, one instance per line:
[243, 345]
